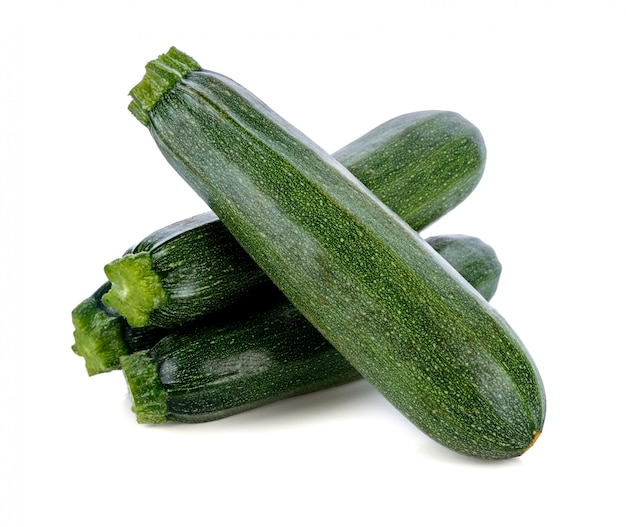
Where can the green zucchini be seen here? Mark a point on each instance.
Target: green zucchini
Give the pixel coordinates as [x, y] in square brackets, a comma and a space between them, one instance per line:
[371, 286]
[182, 273]
[421, 165]
[102, 335]
[208, 372]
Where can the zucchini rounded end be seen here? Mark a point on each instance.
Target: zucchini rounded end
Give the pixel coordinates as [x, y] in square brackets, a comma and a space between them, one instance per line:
[536, 435]
[149, 400]
[161, 75]
[97, 337]
[476, 261]
[136, 288]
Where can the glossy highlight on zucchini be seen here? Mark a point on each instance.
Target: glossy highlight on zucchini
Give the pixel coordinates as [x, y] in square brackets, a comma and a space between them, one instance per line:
[403, 317]
[421, 165]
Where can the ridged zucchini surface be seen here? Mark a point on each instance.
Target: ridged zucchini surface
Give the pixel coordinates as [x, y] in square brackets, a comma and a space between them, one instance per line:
[371, 286]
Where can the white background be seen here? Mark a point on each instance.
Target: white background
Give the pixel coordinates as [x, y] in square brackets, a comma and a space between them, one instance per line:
[81, 181]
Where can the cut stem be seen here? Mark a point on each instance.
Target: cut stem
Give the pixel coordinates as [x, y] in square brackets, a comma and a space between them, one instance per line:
[162, 74]
[149, 400]
[136, 290]
[98, 334]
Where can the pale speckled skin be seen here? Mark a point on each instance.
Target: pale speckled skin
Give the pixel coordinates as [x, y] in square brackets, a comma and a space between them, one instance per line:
[377, 292]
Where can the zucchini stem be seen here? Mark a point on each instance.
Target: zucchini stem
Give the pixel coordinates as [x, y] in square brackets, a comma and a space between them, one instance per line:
[149, 400]
[133, 278]
[162, 74]
[98, 334]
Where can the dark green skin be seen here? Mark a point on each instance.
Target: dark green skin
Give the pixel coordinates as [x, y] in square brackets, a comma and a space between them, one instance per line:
[421, 165]
[278, 354]
[372, 287]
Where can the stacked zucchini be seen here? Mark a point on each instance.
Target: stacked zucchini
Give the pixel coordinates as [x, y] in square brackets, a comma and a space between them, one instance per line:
[309, 272]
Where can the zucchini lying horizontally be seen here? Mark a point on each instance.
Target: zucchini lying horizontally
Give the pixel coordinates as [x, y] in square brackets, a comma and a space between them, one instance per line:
[421, 165]
[373, 288]
[207, 372]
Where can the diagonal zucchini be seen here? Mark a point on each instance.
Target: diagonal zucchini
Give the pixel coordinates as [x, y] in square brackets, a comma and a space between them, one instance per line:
[373, 288]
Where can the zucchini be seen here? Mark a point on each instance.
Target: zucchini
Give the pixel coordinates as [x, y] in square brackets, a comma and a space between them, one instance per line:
[421, 165]
[371, 286]
[204, 373]
[102, 335]
[182, 273]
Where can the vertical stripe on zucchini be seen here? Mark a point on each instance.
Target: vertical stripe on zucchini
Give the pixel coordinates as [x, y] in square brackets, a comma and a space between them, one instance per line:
[403, 317]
